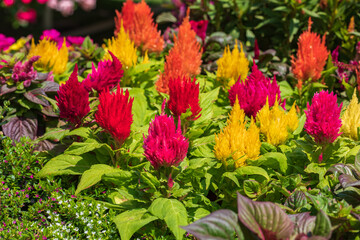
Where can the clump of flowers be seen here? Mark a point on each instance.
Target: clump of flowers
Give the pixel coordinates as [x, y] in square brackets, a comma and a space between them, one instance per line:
[232, 66]
[123, 48]
[275, 124]
[106, 76]
[5, 42]
[114, 114]
[184, 94]
[184, 58]
[323, 118]
[200, 28]
[54, 35]
[73, 100]
[165, 145]
[236, 141]
[351, 119]
[253, 92]
[311, 57]
[138, 22]
[51, 58]
[24, 72]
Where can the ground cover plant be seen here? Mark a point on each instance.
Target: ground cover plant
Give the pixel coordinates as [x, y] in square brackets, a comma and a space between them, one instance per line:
[161, 137]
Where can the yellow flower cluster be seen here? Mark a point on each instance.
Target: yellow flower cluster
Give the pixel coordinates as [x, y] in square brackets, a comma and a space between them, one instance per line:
[232, 65]
[123, 48]
[351, 119]
[275, 124]
[237, 142]
[51, 58]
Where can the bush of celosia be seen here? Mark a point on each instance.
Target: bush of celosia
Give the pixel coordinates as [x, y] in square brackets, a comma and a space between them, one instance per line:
[171, 143]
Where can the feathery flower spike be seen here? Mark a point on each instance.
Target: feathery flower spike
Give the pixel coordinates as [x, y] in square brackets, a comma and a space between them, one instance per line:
[351, 119]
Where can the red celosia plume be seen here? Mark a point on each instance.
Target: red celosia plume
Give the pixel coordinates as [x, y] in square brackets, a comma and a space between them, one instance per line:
[184, 58]
[107, 75]
[253, 92]
[184, 94]
[311, 57]
[73, 100]
[137, 20]
[114, 114]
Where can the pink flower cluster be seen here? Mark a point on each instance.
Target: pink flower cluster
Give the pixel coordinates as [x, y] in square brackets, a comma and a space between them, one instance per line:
[24, 72]
[165, 145]
[253, 92]
[107, 75]
[54, 35]
[323, 118]
[66, 7]
[5, 42]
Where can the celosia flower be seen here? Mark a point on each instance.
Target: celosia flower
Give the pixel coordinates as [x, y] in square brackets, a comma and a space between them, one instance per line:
[200, 28]
[51, 58]
[138, 22]
[123, 48]
[8, 3]
[351, 119]
[165, 145]
[107, 75]
[323, 118]
[114, 114]
[275, 123]
[75, 40]
[5, 42]
[17, 45]
[184, 58]
[28, 16]
[253, 92]
[184, 94]
[24, 72]
[311, 57]
[237, 142]
[232, 66]
[73, 100]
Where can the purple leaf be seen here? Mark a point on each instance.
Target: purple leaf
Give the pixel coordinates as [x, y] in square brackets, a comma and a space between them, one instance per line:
[18, 127]
[36, 96]
[4, 89]
[303, 223]
[219, 225]
[49, 111]
[45, 145]
[265, 219]
[296, 200]
[348, 181]
[50, 86]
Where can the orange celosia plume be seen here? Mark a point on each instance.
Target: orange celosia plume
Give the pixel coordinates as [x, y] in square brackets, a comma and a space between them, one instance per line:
[138, 22]
[184, 58]
[311, 57]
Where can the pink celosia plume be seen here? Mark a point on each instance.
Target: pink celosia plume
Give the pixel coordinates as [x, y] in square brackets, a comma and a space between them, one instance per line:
[165, 145]
[253, 92]
[323, 118]
[73, 100]
[24, 72]
[106, 76]
[200, 28]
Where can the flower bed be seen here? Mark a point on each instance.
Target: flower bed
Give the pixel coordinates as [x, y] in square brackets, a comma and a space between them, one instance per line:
[139, 134]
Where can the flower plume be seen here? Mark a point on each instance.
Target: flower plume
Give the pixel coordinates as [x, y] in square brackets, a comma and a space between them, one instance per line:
[351, 119]
[73, 100]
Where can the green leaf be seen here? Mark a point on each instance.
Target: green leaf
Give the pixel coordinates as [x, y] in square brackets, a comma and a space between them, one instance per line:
[139, 105]
[299, 129]
[55, 134]
[79, 148]
[232, 176]
[173, 212]
[251, 188]
[67, 164]
[322, 225]
[267, 147]
[150, 180]
[207, 103]
[219, 225]
[130, 221]
[296, 200]
[118, 177]
[274, 160]
[285, 89]
[93, 175]
[252, 170]
[81, 132]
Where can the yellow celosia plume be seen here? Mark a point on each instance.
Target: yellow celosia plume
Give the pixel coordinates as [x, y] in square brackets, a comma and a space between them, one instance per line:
[123, 48]
[351, 119]
[275, 123]
[232, 65]
[237, 142]
[51, 58]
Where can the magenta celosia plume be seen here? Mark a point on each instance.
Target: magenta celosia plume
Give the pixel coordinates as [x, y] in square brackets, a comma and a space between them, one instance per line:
[184, 94]
[24, 72]
[253, 92]
[165, 145]
[114, 114]
[73, 100]
[107, 75]
[200, 28]
[5, 42]
[323, 118]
